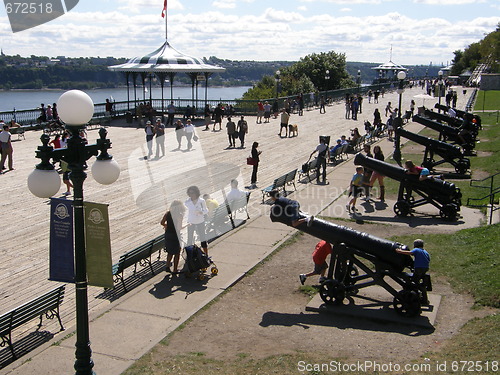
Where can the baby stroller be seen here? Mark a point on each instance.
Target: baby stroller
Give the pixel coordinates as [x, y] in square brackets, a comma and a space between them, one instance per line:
[198, 262]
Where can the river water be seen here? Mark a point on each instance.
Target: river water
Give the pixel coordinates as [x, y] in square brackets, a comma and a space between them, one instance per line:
[29, 99]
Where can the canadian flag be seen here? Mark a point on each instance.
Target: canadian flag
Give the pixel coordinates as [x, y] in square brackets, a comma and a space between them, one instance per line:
[164, 9]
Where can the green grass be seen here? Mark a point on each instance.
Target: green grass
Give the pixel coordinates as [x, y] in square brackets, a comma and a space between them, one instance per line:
[476, 341]
[487, 100]
[469, 260]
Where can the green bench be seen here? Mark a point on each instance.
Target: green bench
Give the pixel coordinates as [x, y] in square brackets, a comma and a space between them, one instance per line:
[219, 220]
[141, 255]
[280, 183]
[46, 305]
[308, 169]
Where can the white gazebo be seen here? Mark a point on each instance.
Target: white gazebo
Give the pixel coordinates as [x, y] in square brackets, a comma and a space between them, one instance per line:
[388, 71]
[163, 63]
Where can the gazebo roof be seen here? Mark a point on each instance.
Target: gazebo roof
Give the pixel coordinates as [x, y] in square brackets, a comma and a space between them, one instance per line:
[166, 59]
[389, 66]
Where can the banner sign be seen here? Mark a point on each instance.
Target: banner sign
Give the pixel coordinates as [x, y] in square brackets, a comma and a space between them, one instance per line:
[98, 245]
[61, 247]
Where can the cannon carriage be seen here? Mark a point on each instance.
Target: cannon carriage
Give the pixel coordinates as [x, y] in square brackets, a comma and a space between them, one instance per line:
[449, 133]
[449, 153]
[360, 260]
[443, 195]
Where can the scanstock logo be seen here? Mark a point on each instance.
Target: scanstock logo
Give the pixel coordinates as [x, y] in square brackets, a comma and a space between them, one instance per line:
[25, 14]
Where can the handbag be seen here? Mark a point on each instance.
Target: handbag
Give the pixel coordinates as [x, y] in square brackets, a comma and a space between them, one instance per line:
[251, 161]
[195, 138]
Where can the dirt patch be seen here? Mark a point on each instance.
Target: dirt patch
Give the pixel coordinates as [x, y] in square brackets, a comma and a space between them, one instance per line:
[264, 314]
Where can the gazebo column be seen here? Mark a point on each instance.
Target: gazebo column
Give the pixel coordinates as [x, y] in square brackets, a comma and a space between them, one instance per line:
[161, 76]
[207, 75]
[134, 80]
[127, 75]
[143, 77]
[171, 76]
[193, 79]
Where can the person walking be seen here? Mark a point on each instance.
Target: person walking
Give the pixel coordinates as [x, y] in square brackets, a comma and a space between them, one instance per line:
[242, 130]
[160, 138]
[285, 117]
[322, 150]
[172, 223]
[170, 113]
[256, 159]
[179, 133]
[197, 210]
[356, 188]
[231, 132]
[376, 176]
[150, 133]
[190, 134]
[6, 146]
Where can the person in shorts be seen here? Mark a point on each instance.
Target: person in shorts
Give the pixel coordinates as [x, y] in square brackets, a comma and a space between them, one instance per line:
[356, 188]
[321, 251]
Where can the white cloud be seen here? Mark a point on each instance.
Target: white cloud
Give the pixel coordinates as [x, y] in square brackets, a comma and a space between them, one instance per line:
[224, 4]
[447, 2]
[268, 34]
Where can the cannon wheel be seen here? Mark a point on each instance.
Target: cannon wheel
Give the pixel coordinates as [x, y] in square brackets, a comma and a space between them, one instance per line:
[462, 166]
[407, 303]
[448, 212]
[332, 292]
[402, 208]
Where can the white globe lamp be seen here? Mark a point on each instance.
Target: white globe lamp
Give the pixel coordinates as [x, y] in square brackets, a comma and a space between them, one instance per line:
[44, 183]
[75, 107]
[105, 172]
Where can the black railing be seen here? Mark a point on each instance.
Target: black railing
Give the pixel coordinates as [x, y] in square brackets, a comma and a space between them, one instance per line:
[492, 198]
[241, 107]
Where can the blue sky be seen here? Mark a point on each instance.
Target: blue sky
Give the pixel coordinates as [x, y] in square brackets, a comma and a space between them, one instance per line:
[419, 31]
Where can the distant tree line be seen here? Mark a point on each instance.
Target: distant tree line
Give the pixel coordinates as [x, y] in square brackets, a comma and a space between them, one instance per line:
[486, 50]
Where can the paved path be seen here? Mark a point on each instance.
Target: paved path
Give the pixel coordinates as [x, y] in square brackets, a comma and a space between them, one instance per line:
[124, 326]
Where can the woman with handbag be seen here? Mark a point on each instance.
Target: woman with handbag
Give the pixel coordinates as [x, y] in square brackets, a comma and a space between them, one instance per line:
[190, 133]
[256, 159]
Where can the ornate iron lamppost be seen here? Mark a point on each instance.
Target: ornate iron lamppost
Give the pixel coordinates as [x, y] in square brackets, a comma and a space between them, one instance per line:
[398, 122]
[75, 110]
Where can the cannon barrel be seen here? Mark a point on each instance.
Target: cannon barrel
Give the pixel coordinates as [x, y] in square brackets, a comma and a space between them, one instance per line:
[443, 107]
[443, 149]
[442, 128]
[383, 250]
[443, 191]
[452, 121]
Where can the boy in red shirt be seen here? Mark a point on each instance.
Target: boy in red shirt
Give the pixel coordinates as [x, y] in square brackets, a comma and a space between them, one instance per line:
[321, 251]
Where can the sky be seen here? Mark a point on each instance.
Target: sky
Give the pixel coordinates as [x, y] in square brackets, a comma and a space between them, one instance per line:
[407, 32]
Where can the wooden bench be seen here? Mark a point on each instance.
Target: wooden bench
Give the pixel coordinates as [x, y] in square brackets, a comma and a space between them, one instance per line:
[239, 205]
[47, 304]
[19, 131]
[141, 255]
[336, 156]
[278, 184]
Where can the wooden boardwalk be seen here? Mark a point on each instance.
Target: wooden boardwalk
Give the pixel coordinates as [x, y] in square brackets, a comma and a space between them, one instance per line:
[142, 194]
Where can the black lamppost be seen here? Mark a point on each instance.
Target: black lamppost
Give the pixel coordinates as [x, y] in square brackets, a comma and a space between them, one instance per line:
[440, 88]
[358, 80]
[278, 78]
[76, 109]
[398, 122]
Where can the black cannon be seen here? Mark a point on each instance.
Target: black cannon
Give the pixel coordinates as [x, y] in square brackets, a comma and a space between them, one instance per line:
[460, 113]
[443, 195]
[452, 121]
[449, 133]
[463, 120]
[449, 153]
[349, 271]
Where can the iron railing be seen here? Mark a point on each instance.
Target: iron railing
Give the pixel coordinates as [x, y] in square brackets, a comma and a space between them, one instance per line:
[29, 117]
[492, 198]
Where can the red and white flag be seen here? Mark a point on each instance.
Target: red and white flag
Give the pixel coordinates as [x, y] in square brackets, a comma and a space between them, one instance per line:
[164, 9]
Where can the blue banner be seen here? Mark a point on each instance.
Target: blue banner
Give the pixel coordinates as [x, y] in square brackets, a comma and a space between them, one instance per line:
[61, 251]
